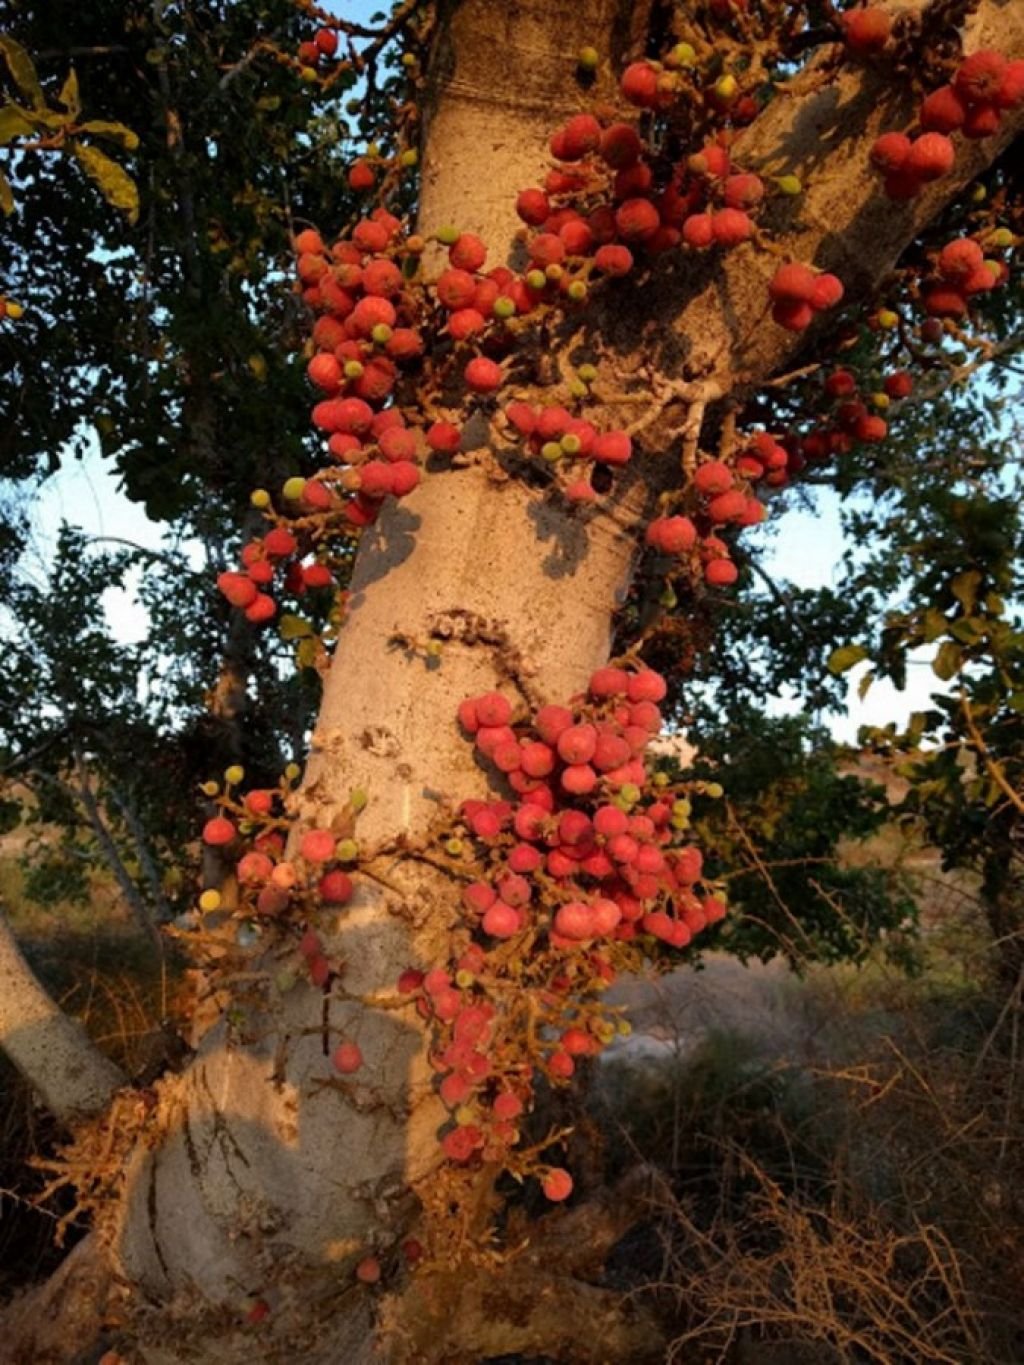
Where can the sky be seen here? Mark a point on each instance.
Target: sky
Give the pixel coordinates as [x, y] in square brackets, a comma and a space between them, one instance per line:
[85, 493]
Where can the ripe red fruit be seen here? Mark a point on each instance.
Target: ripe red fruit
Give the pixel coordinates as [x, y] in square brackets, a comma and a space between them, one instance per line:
[828, 291]
[371, 235]
[609, 682]
[899, 385]
[870, 427]
[347, 1058]
[672, 535]
[382, 277]
[792, 315]
[613, 447]
[698, 230]
[729, 506]
[574, 921]
[890, 151]
[637, 219]
[959, 259]
[493, 709]
[326, 41]
[979, 77]
[360, 176]
[639, 85]
[376, 479]
[456, 289]
[581, 135]
[614, 260]
[507, 1105]
[317, 845]
[444, 437]
[634, 180]
[866, 31]
[218, 831]
[931, 156]
[720, 573]
[552, 422]
[549, 722]
[547, 248]
[557, 1185]
[317, 576]
[464, 322]
[743, 191]
[647, 685]
[325, 372]
[793, 283]
[945, 302]
[501, 920]
[309, 242]
[238, 588]
[1011, 87]
[279, 542]
[712, 477]
[405, 476]
[261, 610]
[467, 252]
[482, 375]
[533, 207]
[577, 237]
[576, 744]
[729, 227]
[335, 887]
[620, 146]
[982, 121]
[943, 111]
[840, 384]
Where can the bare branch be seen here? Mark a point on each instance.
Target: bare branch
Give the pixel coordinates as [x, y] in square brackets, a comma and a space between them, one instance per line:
[48, 1047]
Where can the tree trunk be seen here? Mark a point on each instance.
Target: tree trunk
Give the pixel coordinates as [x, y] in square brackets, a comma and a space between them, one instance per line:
[252, 1176]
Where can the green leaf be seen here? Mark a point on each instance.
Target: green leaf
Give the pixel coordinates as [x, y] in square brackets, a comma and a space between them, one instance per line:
[117, 132]
[23, 71]
[865, 683]
[306, 652]
[6, 196]
[116, 186]
[68, 96]
[14, 122]
[845, 657]
[294, 627]
[1015, 702]
[934, 625]
[965, 588]
[968, 630]
[947, 661]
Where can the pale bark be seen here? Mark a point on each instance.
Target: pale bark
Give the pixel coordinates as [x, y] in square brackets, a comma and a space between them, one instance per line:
[252, 1174]
[49, 1048]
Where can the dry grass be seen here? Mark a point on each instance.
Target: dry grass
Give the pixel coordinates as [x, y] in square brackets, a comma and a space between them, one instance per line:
[849, 1188]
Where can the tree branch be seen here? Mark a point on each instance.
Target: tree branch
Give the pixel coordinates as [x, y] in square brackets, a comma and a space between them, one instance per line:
[48, 1047]
[112, 857]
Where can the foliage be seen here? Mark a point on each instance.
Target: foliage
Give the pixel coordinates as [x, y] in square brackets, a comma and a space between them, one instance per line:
[776, 840]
